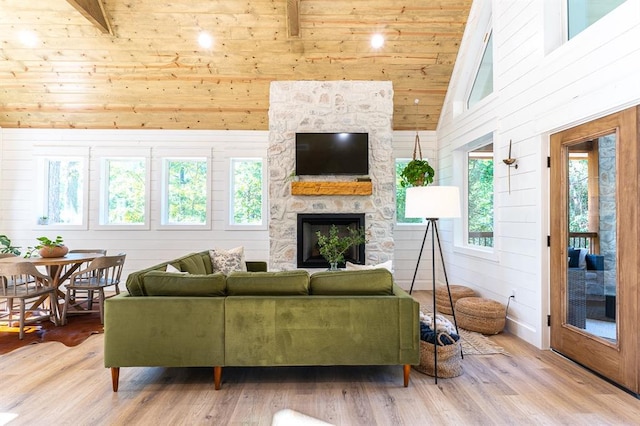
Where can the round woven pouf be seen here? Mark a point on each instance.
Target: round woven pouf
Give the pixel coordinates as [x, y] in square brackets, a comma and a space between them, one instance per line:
[457, 292]
[482, 315]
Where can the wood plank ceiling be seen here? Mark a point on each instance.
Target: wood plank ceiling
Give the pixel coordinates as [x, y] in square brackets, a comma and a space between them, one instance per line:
[151, 72]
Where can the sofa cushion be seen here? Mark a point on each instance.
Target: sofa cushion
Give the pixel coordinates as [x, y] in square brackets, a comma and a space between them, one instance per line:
[574, 257]
[371, 282]
[227, 261]
[193, 264]
[158, 283]
[285, 283]
[595, 262]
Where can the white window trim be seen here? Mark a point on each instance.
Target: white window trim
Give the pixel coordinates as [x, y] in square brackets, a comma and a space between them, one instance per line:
[43, 156]
[163, 219]
[229, 226]
[143, 154]
[460, 226]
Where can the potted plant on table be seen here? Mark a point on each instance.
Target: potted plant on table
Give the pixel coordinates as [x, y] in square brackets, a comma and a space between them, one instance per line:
[49, 248]
[333, 246]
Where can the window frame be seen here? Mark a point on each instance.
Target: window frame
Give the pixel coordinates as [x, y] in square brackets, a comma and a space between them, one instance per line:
[164, 194]
[103, 204]
[43, 159]
[229, 223]
[461, 226]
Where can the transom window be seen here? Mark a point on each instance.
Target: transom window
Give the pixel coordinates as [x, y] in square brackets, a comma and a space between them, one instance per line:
[483, 82]
[583, 13]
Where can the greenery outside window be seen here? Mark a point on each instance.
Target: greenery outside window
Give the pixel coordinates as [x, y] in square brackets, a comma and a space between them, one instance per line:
[480, 194]
[63, 191]
[247, 192]
[583, 13]
[185, 188]
[124, 191]
[401, 192]
[483, 82]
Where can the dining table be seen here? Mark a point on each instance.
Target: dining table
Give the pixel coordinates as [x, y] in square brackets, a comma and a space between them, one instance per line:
[58, 268]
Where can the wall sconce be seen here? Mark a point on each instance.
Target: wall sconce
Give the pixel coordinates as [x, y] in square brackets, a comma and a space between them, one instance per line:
[510, 162]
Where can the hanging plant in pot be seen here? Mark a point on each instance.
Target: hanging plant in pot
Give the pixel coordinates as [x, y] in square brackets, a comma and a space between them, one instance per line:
[51, 248]
[333, 246]
[417, 172]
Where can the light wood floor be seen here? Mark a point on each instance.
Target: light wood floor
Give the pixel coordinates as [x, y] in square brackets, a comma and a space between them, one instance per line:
[53, 384]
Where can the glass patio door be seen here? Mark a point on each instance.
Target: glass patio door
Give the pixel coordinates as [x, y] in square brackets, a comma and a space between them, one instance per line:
[594, 229]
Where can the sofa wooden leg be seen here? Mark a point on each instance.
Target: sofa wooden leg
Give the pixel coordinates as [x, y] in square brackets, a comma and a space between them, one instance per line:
[217, 377]
[115, 375]
[406, 369]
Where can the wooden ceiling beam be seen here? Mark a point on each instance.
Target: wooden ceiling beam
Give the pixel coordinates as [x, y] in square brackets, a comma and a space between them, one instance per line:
[94, 12]
[293, 18]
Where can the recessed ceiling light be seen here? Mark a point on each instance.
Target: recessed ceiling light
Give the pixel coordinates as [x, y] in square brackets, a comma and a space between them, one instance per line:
[29, 38]
[205, 40]
[377, 41]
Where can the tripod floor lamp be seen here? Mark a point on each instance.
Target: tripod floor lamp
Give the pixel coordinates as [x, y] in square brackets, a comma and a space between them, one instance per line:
[433, 203]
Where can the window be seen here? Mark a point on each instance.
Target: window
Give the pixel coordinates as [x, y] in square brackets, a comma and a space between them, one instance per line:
[583, 13]
[401, 193]
[185, 189]
[483, 82]
[480, 210]
[63, 194]
[124, 191]
[247, 192]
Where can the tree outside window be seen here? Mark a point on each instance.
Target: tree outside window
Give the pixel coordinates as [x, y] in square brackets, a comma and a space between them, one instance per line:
[401, 194]
[125, 191]
[64, 191]
[480, 196]
[246, 191]
[185, 191]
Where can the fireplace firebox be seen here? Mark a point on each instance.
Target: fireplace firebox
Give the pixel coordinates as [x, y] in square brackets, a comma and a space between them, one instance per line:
[307, 242]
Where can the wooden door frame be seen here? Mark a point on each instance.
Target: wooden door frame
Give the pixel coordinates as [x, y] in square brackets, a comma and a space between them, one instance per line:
[617, 361]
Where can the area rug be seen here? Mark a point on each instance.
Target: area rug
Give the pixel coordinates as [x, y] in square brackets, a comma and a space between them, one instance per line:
[76, 331]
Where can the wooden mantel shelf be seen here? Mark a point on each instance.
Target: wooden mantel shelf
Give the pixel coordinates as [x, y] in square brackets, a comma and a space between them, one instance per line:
[331, 188]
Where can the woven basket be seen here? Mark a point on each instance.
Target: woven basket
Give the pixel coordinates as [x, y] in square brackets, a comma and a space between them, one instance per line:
[481, 315]
[457, 292]
[449, 360]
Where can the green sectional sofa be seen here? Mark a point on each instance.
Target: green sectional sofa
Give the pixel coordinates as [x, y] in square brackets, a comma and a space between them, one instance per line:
[259, 318]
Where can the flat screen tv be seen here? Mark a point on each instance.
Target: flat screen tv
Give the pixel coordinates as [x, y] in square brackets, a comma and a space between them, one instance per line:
[332, 154]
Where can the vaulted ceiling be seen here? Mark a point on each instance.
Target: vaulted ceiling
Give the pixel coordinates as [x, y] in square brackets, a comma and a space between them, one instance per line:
[143, 68]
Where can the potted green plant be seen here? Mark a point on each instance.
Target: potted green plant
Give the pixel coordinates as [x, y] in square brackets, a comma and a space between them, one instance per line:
[50, 248]
[417, 172]
[333, 246]
[7, 247]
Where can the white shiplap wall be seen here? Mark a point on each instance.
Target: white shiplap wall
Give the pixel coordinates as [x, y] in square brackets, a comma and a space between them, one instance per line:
[18, 213]
[541, 86]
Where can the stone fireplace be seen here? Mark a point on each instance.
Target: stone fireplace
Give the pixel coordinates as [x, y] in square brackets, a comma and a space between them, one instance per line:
[307, 239]
[330, 106]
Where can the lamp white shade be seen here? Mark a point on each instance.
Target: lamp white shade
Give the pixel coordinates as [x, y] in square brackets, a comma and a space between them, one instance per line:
[432, 202]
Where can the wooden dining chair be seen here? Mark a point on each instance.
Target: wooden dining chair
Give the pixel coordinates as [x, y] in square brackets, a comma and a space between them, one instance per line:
[101, 273]
[83, 265]
[21, 282]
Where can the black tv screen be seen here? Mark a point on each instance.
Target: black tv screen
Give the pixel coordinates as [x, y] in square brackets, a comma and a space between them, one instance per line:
[332, 153]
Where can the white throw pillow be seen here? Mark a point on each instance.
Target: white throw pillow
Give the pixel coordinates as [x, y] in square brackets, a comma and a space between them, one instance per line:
[171, 268]
[355, 267]
[227, 261]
